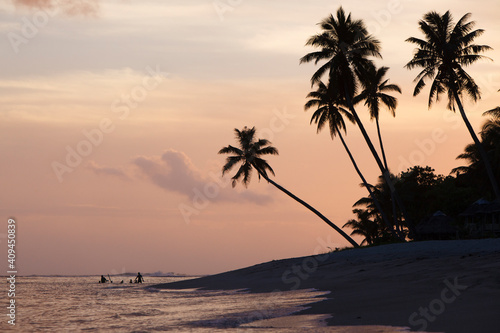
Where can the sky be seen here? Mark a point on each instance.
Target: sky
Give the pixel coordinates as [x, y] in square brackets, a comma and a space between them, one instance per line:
[112, 113]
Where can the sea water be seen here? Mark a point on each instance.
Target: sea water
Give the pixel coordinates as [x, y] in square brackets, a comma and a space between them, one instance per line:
[74, 304]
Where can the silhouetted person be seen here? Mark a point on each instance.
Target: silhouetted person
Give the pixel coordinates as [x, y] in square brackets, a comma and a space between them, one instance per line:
[131, 281]
[103, 279]
[139, 278]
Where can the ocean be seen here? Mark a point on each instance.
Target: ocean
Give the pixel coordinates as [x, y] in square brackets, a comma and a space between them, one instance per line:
[81, 304]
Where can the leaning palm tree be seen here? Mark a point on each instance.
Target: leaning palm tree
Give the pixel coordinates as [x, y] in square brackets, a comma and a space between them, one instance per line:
[330, 112]
[442, 54]
[248, 154]
[346, 45]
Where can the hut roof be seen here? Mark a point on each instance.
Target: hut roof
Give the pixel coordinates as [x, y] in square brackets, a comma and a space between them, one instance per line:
[438, 223]
[482, 206]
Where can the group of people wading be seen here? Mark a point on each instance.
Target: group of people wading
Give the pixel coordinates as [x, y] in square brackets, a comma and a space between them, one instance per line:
[138, 279]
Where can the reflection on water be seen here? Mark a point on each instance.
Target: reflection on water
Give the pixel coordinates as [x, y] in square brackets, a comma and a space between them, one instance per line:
[81, 304]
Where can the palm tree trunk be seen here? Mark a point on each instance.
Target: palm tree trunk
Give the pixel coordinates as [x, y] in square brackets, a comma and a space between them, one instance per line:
[480, 147]
[381, 144]
[393, 202]
[384, 171]
[305, 204]
[368, 187]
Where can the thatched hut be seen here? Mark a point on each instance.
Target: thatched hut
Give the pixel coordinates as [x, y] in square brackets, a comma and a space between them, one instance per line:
[482, 218]
[437, 226]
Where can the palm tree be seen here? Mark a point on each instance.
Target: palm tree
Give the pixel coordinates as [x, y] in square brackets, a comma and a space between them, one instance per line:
[442, 54]
[490, 137]
[248, 155]
[363, 226]
[492, 124]
[490, 140]
[331, 113]
[491, 128]
[382, 194]
[473, 173]
[346, 45]
[375, 89]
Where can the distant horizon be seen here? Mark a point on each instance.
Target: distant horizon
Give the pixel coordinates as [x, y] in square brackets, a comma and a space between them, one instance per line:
[114, 275]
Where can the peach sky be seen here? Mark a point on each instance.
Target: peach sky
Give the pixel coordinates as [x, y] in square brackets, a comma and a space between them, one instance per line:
[151, 90]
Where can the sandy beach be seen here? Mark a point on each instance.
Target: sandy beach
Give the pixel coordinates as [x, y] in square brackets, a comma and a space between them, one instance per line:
[433, 286]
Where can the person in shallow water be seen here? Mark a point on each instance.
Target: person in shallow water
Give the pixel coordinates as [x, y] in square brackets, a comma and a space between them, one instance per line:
[103, 279]
[139, 278]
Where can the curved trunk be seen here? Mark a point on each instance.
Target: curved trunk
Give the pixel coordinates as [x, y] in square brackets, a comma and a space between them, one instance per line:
[384, 171]
[305, 204]
[365, 183]
[479, 145]
[381, 144]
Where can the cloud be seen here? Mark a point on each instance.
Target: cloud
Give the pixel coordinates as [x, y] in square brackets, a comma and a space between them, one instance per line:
[68, 7]
[107, 171]
[175, 172]
[172, 171]
[286, 40]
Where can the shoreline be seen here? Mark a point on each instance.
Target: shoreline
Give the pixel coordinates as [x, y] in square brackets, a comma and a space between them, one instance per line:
[436, 286]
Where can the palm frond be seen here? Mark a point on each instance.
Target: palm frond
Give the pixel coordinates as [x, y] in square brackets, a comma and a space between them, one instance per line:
[267, 151]
[230, 150]
[493, 112]
[231, 161]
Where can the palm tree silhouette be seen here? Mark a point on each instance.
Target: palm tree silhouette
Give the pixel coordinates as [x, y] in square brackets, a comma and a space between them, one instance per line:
[492, 125]
[490, 140]
[375, 89]
[248, 155]
[363, 226]
[442, 54]
[491, 128]
[330, 112]
[346, 45]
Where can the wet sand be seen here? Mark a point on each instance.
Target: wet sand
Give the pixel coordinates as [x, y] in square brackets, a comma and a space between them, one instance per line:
[434, 286]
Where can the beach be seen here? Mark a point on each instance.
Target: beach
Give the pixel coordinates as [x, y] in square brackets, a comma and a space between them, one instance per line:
[432, 286]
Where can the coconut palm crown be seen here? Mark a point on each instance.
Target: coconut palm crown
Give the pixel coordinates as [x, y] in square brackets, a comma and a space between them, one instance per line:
[328, 111]
[375, 92]
[442, 54]
[248, 155]
[345, 45]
